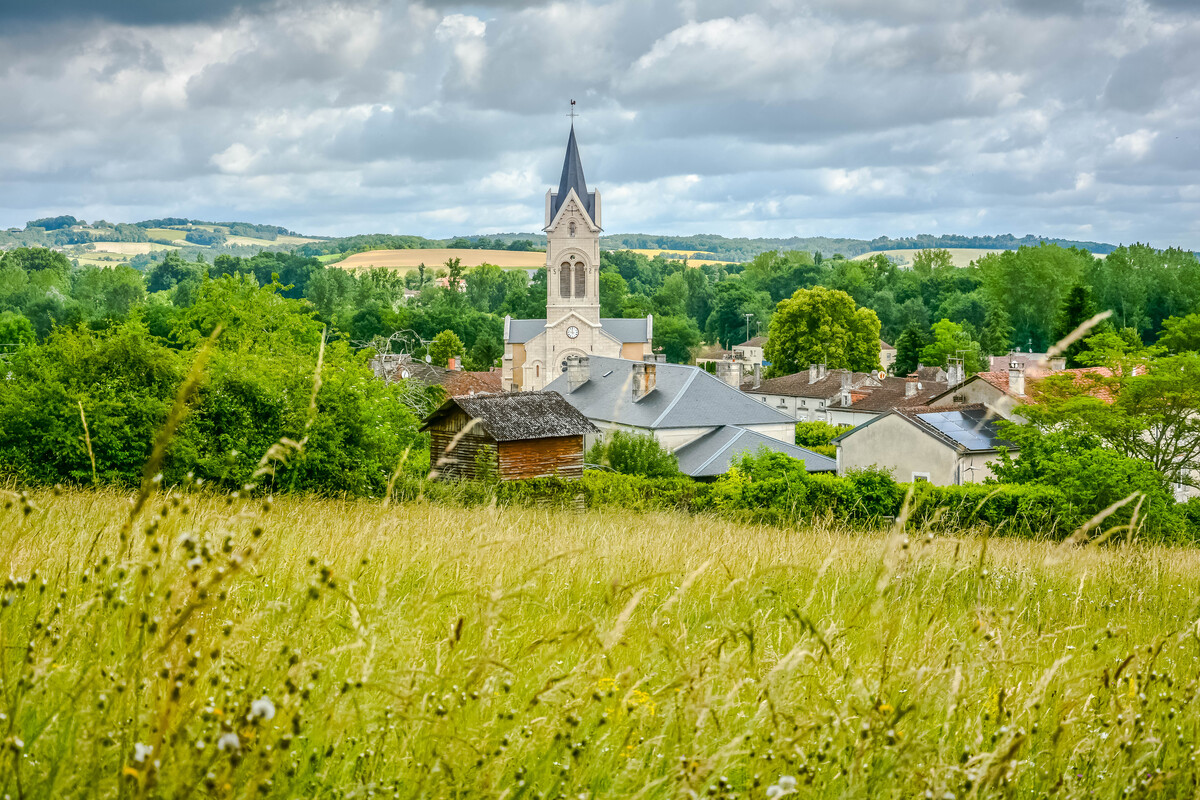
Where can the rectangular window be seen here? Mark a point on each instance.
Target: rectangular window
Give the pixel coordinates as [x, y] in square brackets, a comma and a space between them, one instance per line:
[920, 477]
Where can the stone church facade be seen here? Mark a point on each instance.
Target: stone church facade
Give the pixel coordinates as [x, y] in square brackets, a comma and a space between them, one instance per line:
[536, 350]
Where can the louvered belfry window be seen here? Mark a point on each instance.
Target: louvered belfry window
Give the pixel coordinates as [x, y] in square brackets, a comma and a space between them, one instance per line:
[580, 280]
[564, 280]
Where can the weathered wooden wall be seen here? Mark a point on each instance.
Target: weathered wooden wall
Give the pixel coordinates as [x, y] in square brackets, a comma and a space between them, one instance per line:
[536, 458]
[460, 458]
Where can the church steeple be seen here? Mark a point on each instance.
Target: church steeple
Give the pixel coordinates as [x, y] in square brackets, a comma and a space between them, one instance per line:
[572, 178]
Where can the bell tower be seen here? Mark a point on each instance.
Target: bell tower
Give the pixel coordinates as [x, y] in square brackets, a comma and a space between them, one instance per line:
[573, 244]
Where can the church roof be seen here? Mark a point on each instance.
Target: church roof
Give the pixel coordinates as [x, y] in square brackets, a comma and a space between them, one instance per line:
[521, 331]
[572, 178]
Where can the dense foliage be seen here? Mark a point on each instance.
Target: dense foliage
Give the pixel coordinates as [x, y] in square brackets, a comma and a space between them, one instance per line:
[633, 454]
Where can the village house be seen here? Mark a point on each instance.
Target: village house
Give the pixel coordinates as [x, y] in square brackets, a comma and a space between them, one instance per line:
[1003, 391]
[703, 420]
[508, 436]
[855, 406]
[806, 396]
[750, 351]
[947, 446]
[536, 350]
[887, 356]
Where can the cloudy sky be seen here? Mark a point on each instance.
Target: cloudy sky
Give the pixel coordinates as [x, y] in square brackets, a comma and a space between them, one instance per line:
[1067, 118]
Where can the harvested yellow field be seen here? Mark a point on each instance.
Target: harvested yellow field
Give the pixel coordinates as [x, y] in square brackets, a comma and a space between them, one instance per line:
[165, 233]
[689, 253]
[127, 248]
[433, 259]
[256, 242]
[960, 256]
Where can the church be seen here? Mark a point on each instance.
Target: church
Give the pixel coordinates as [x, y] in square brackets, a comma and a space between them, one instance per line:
[536, 350]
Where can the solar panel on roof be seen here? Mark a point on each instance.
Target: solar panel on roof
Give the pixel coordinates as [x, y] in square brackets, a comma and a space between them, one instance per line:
[971, 429]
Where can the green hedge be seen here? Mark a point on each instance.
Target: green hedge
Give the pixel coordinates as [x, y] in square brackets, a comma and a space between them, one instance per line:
[867, 498]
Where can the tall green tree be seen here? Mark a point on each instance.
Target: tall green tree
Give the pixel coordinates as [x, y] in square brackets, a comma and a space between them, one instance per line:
[676, 336]
[1077, 308]
[908, 349]
[951, 341]
[820, 325]
[445, 345]
[997, 331]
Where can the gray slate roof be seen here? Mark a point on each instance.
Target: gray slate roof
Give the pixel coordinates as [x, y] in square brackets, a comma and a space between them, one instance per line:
[714, 452]
[684, 397]
[572, 178]
[521, 331]
[514, 416]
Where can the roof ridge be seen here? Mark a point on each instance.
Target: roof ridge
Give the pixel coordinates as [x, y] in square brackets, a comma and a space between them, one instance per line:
[682, 391]
[726, 446]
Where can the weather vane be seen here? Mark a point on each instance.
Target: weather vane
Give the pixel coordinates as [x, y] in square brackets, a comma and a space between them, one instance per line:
[572, 115]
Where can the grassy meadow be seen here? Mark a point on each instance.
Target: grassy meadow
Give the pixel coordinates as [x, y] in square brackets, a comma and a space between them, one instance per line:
[241, 647]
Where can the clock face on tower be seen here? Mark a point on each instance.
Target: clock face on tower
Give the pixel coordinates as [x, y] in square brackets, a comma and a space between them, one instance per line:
[572, 332]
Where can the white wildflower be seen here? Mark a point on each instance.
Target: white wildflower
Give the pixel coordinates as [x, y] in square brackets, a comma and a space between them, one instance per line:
[229, 741]
[263, 707]
[141, 751]
[195, 563]
[786, 785]
[199, 744]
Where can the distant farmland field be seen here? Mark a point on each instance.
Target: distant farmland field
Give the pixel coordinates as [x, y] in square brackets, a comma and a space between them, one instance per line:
[166, 233]
[129, 248]
[961, 256]
[434, 259]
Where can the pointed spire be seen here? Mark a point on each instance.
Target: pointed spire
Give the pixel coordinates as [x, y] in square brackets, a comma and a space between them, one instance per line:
[572, 178]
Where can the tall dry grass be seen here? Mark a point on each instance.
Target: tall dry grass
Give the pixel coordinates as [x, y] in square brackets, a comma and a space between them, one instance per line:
[235, 647]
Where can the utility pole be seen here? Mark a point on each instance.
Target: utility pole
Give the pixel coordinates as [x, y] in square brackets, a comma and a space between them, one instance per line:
[748, 316]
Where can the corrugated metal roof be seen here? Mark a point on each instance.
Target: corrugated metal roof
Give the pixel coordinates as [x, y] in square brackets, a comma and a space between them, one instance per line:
[684, 397]
[714, 452]
[513, 416]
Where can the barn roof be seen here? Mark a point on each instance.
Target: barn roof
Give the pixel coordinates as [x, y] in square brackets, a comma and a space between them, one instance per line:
[515, 416]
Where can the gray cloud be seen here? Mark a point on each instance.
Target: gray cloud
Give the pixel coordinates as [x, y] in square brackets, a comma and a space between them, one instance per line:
[1075, 118]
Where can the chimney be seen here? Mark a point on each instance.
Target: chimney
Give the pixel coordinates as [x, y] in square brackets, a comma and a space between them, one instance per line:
[812, 373]
[730, 372]
[1016, 378]
[1058, 364]
[577, 372]
[757, 375]
[644, 379]
[910, 388]
[452, 363]
[821, 373]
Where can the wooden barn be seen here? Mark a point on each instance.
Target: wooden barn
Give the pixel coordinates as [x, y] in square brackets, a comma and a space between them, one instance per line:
[508, 436]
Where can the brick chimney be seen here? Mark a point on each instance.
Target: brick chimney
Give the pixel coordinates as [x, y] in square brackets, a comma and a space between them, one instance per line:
[730, 371]
[577, 372]
[644, 379]
[812, 373]
[1016, 378]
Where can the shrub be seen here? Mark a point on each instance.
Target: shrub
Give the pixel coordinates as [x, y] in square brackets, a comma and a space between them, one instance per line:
[634, 454]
